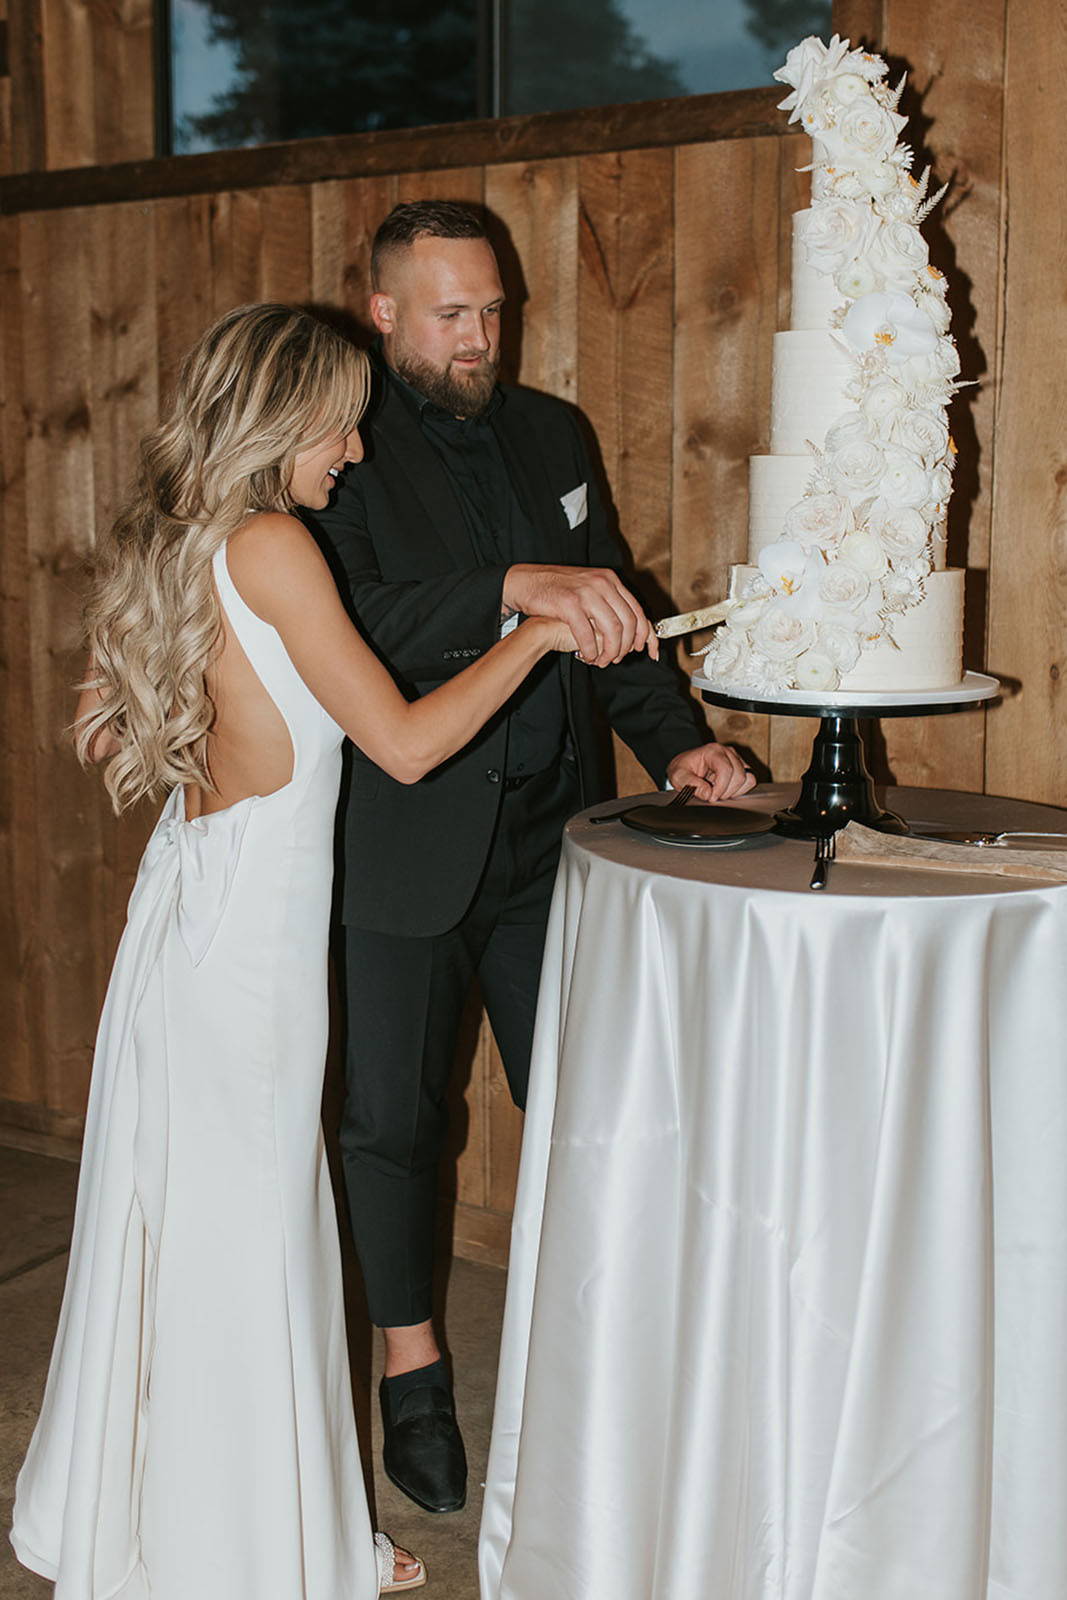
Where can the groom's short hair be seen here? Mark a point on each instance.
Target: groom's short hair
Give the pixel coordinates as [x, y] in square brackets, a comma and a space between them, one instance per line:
[421, 219]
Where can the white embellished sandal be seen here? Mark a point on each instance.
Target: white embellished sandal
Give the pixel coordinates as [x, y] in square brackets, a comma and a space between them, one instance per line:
[388, 1583]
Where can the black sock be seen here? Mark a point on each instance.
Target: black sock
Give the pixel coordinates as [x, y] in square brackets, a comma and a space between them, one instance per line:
[433, 1376]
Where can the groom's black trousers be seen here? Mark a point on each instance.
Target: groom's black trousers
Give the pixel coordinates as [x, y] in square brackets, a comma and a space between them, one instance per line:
[405, 998]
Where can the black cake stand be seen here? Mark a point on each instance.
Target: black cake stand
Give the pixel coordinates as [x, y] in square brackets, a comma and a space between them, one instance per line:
[837, 788]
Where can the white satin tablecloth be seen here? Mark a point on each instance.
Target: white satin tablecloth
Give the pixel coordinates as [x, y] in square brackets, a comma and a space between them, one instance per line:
[787, 1306]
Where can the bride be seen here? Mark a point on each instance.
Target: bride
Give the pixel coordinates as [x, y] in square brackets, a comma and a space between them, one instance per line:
[197, 1435]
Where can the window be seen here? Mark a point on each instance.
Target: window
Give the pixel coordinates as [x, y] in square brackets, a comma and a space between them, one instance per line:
[246, 72]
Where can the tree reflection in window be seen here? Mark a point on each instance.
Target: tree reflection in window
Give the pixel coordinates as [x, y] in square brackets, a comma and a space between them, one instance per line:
[264, 70]
[780, 24]
[308, 67]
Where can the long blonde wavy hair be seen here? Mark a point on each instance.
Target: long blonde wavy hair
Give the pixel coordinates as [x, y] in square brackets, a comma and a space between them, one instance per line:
[263, 383]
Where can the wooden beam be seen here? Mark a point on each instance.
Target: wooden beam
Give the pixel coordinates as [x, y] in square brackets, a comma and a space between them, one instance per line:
[692, 119]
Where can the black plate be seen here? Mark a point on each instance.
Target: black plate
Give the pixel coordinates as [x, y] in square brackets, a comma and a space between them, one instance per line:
[701, 825]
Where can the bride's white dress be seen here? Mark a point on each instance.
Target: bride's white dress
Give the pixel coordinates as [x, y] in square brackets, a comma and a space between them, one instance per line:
[197, 1439]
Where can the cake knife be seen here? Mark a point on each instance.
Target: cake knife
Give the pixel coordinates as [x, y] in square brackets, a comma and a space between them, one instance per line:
[691, 621]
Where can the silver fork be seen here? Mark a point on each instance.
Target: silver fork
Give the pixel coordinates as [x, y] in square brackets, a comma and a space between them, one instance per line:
[679, 798]
[825, 850]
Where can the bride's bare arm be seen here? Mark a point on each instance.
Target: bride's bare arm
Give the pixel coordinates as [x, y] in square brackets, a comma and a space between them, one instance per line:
[281, 574]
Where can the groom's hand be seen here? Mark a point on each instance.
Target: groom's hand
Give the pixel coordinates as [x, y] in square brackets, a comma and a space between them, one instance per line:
[606, 620]
[716, 772]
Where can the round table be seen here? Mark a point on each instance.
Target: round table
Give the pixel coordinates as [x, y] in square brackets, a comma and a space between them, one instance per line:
[787, 1303]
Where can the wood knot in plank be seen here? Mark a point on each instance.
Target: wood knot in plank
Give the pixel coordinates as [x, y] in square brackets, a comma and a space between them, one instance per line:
[699, 440]
[77, 421]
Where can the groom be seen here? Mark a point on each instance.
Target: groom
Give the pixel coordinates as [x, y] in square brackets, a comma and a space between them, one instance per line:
[476, 504]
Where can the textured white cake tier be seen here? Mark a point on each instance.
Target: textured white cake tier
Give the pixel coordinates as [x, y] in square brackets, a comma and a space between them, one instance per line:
[815, 295]
[929, 636]
[808, 395]
[775, 484]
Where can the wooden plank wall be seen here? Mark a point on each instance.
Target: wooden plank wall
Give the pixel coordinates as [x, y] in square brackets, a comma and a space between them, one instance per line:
[76, 84]
[647, 286]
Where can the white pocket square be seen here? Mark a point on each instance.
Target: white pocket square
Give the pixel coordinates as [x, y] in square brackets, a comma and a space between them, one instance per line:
[575, 505]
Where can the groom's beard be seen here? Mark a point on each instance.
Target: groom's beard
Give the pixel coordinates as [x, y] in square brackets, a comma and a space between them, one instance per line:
[461, 395]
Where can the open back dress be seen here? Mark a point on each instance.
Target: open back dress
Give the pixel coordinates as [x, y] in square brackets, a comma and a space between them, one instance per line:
[197, 1438]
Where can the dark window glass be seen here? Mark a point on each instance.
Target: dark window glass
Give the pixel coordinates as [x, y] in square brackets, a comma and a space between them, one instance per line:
[559, 54]
[253, 71]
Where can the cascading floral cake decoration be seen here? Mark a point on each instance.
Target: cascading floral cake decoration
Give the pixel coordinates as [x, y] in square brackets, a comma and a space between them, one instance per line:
[856, 550]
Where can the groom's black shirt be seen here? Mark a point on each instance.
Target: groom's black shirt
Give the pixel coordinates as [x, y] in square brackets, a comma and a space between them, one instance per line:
[500, 531]
[422, 550]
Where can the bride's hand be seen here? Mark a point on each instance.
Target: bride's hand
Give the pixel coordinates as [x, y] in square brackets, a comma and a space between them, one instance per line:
[558, 636]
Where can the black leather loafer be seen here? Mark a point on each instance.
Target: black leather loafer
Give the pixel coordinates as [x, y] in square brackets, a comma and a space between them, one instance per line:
[423, 1452]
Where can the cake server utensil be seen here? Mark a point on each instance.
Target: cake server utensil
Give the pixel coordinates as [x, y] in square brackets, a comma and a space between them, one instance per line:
[988, 836]
[679, 798]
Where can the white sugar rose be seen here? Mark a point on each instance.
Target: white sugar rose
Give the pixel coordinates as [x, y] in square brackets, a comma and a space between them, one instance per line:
[783, 564]
[941, 477]
[863, 551]
[780, 636]
[905, 481]
[897, 206]
[934, 370]
[947, 358]
[899, 253]
[844, 585]
[923, 433]
[840, 641]
[892, 323]
[847, 87]
[864, 135]
[852, 427]
[814, 670]
[879, 178]
[936, 308]
[857, 279]
[818, 519]
[834, 233]
[858, 468]
[902, 530]
[922, 374]
[744, 614]
[724, 654]
[883, 401]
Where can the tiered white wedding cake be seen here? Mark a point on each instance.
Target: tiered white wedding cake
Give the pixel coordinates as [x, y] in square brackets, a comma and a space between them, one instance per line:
[846, 586]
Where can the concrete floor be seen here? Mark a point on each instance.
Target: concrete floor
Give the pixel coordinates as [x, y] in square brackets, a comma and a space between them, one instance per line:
[36, 1205]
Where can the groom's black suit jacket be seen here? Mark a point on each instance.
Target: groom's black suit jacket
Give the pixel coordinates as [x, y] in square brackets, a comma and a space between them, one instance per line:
[397, 540]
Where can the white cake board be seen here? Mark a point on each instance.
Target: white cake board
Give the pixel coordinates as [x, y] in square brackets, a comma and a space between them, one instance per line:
[973, 687]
